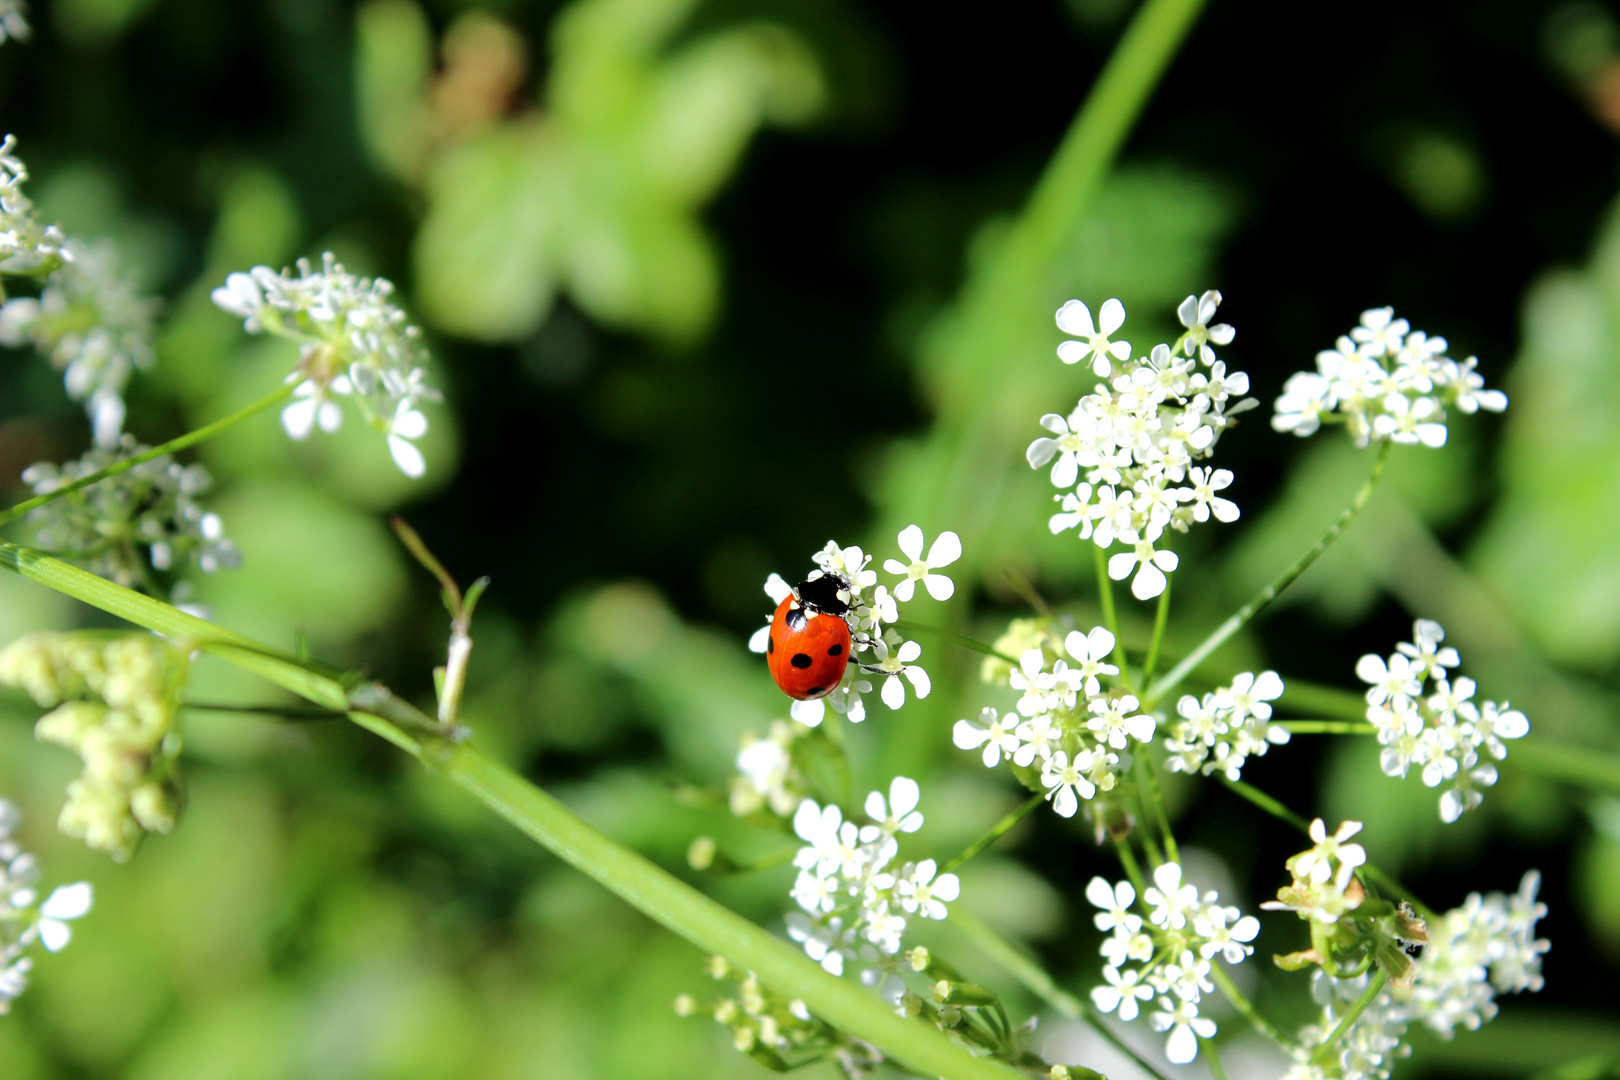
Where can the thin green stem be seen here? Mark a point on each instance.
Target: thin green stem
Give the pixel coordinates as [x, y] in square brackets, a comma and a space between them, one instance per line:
[906, 626]
[1243, 1005]
[1248, 611]
[995, 832]
[1127, 859]
[1586, 766]
[1216, 1069]
[1266, 803]
[1328, 727]
[1160, 617]
[1374, 988]
[173, 445]
[1160, 811]
[1105, 597]
[1035, 979]
[285, 712]
[660, 895]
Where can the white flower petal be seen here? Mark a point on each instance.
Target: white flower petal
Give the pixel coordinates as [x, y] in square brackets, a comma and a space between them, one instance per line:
[911, 543]
[939, 586]
[1111, 317]
[407, 457]
[54, 935]
[946, 549]
[1075, 318]
[68, 902]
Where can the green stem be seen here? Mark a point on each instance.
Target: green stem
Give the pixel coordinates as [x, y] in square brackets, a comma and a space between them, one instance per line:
[1216, 1069]
[995, 832]
[1328, 727]
[1105, 596]
[1159, 619]
[1159, 809]
[1586, 766]
[1127, 859]
[1038, 982]
[907, 627]
[1266, 595]
[285, 712]
[1374, 988]
[1309, 697]
[189, 439]
[1243, 1005]
[663, 897]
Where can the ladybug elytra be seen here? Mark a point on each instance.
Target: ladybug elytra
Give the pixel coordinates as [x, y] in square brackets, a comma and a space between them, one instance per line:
[809, 643]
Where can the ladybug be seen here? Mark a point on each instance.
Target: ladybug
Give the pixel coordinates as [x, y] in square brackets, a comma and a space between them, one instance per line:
[809, 643]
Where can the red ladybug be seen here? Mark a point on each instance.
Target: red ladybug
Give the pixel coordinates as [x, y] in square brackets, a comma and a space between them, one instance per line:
[808, 649]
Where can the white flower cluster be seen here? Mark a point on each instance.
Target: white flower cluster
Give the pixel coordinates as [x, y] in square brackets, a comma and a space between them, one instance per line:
[1175, 946]
[13, 23]
[855, 903]
[93, 325]
[1065, 723]
[877, 648]
[114, 701]
[1135, 438]
[1368, 1050]
[1384, 381]
[1226, 727]
[357, 344]
[766, 775]
[24, 920]
[1424, 717]
[1474, 952]
[146, 518]
[26, 245]
[1322, 875]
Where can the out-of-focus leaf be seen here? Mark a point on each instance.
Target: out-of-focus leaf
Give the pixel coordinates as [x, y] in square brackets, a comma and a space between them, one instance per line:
[1549, 548]
[393, 58]
[597, 194]
[1597, 873]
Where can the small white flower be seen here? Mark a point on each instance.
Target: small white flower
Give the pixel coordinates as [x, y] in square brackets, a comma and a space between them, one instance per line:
[1316, 864]
[898, 815]
[1195, 313]
[1171, 900]
[896, 664]
[1205, 483]
[1066, 783]
[1115, 902]
[66, 903]
[997, 734]
[1074, 319]
[947, 548]
[1090, 653]
[1124, 993]
[1186, 1027]
[924, 894]
[1150, 566]
[1115, 718]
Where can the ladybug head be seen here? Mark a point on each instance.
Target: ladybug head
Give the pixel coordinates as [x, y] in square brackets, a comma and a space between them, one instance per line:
[819, 593]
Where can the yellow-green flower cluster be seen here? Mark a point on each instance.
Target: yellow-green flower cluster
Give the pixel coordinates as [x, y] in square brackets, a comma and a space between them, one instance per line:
[114, 699]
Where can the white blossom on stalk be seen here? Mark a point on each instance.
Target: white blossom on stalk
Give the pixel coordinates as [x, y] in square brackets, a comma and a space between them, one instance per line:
[1222, 730]
[27, 245]
[356, 344]
[1440, 729]
[1178, 942]
[24, 918]
[93, 326]
[1384, 381]
[1066, 782]
[1128, 448]
[1095, 346]
[996, 733]
[947, 548]
[850, 869]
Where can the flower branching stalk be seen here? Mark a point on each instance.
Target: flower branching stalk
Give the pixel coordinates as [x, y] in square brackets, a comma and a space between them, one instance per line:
[452, 677]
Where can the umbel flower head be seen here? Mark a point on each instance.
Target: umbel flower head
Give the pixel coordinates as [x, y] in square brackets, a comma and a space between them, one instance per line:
[94, 327]
[1127, 449]
[1428, 718]
[27, 246]
[114, 699]
[356, 344]
[878, 651]
[127, 526]
[1384, 380]
[24, 919]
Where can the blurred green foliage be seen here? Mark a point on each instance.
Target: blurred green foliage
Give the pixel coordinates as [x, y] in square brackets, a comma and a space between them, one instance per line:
[573, 196]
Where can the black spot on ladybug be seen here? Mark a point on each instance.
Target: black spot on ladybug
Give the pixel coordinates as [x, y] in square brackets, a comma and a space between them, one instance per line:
[836, 650]
[813, 691]
[801, 660]
[771, 644]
